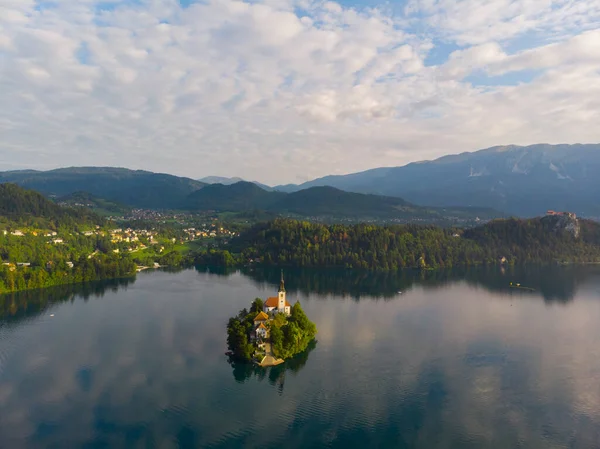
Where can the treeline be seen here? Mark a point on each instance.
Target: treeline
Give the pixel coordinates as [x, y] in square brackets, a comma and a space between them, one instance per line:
[102, 266]
[365, 246]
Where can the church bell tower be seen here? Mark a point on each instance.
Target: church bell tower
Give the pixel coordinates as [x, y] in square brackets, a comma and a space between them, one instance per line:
[281, 294]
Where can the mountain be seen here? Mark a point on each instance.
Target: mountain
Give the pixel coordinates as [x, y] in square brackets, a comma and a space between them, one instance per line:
[135, 188]
[220, 180]
[228, 181]
[241, 196]
[525, 181]
[321, 202]
[18, 204]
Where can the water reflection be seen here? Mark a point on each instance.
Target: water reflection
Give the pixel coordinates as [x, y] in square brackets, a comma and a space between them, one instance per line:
[242, 372]
[17, 306]
[443, 366]
[553, 283]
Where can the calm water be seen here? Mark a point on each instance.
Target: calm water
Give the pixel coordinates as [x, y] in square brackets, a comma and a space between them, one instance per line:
[457, 360]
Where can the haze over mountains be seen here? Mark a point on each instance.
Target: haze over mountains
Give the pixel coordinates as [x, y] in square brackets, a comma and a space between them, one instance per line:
[523, 181]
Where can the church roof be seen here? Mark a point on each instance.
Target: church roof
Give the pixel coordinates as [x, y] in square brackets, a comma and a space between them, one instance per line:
[273, 301]
[262, 316]
[261, 326]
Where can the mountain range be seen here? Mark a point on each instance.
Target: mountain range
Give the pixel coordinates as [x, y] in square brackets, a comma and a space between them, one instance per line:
[523, 181]
[322, 201]
[517, 180]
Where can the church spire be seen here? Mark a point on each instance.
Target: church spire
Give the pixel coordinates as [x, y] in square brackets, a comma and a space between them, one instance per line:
[281, 284]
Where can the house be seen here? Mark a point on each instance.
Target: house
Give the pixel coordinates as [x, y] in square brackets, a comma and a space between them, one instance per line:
[70, 264]
[18, 233]
[278, 304]
[561, 214]
[58, 241]
[261, 331]
[262, 317]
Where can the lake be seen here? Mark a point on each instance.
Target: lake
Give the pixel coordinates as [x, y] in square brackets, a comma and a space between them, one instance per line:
[445, 359]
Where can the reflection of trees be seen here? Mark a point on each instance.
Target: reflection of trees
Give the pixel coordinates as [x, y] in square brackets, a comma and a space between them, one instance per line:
[217, 270]
[553, 283]
[22, 305]
[275, 375]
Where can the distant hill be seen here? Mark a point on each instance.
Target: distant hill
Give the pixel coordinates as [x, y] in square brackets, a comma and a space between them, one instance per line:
[525, 181]
[320, 202]
[228, 181]
[19, 204]
[98, 205]
[135, 188]
[241, 196]
[220, 180]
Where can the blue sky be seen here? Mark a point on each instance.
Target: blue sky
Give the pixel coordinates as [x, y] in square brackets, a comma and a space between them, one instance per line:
[288, 90]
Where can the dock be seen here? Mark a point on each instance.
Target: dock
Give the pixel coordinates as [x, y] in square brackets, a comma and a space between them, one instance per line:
[269, 359]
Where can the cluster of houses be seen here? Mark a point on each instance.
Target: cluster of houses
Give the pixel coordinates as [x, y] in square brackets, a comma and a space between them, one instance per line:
[193, 233]
[131, 235]
[553, 213]
[208, 232]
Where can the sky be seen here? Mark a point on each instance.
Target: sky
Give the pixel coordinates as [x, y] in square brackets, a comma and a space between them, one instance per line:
[284, 91]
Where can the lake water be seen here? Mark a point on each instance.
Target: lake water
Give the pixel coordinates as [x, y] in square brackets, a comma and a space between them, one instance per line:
[457, 360]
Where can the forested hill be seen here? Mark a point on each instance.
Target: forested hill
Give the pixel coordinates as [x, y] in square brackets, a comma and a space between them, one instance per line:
[539, 240]
[20, 205]
[135, 188]
[323, 202]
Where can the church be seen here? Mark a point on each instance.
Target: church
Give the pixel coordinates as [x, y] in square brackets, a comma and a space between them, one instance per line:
[278, 304]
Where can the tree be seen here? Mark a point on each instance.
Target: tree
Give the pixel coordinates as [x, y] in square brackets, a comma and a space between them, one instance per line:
[257, 306]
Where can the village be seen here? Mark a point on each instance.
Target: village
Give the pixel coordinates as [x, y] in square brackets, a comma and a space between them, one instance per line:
[122, 240]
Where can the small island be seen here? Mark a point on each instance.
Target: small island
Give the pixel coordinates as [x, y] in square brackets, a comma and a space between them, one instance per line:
[270, 332]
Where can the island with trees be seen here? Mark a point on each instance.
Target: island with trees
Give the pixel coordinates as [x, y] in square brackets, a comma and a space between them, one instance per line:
[270, 332]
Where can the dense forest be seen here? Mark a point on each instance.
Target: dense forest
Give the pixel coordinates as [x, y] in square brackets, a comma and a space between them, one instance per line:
[27, 207]
[288, 335]
[365, 246]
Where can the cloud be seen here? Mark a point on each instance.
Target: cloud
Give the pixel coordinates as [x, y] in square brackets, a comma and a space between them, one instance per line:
[285, 90]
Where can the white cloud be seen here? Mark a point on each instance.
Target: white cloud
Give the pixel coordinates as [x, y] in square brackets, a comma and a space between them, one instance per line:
[269, 93]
